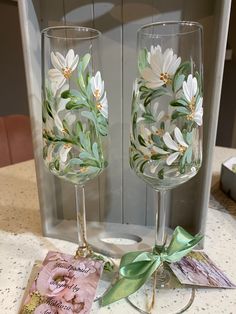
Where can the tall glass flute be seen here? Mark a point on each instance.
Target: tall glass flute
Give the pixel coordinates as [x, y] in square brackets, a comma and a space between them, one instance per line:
[166, 135]
[75, 112]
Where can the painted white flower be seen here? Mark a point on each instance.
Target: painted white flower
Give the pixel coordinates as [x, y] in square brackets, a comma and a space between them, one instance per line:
[136, 88]
[63, 68]
[64, 151]
[179, 146]
[97, 86]
[149, 149]
[157, 116]
[190, 91]
[50, 152]
[102, 106]
[162, 67]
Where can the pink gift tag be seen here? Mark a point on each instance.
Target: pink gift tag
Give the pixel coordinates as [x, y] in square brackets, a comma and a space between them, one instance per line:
[64, 285]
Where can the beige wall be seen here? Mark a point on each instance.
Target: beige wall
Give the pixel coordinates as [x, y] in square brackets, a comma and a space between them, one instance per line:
[13, 94]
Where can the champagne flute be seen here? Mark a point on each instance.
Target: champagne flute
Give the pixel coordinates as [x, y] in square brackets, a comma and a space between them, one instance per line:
[166, 119]
[75, 112]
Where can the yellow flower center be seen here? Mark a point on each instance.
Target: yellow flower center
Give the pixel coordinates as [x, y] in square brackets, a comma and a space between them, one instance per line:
[192, 109]
[97, 94]
[83, 169]
[99, 106]
[165, 77]
[67, 145]
[182, 149]
[66, 72]
[160, 132]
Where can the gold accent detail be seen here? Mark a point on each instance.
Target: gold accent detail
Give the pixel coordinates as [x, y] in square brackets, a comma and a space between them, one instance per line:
[165, 77]
[182, 149]
[66, 72]
[99, 106]
[192, 106]
[97, 94]
[160, 132]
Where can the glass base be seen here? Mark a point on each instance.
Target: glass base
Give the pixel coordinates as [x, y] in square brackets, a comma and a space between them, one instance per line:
[170, 296]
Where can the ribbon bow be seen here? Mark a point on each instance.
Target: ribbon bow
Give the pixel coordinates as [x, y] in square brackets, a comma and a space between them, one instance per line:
[137, 267]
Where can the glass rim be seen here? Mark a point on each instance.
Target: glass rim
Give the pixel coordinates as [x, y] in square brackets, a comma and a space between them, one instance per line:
[81, 29]
[197, 26]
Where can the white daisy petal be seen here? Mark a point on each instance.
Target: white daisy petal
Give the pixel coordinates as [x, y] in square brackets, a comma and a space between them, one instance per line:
[104, 106]
[169, 142]
[154, 84]
[62, 104]
[63, 152]
[153, 168]
[58, 122]
[179, 137]
[55, 62]
[199, 104]
[159, 150]
[74, 63]
[61, 59]
[172, 158]
[198, 118]
[70, 58]
[167, 60]
[186, 92]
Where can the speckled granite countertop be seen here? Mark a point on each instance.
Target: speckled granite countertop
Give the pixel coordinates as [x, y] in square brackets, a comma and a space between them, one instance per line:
[21, 242]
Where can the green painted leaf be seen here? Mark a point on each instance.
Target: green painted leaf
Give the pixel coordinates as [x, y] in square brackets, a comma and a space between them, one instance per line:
[141, 140]
[71, 105]
[189, 136]
[85, 61]
[179, 103]
[81, 83]
[158, 140]
[160, 92]
[95, 151]
[178, 82]
[48, 108]
[89, 115]
[85, 141]
[78, 127]
[182, 110]
[161, 174]
[85, 156]
[66, 94]
[177, 114]
[66, 126]
[141, 168]
[189, 155]
[134, 123]
[57, 164]
[142, 59]
[75, 161]
[156, 157]
[144, 89]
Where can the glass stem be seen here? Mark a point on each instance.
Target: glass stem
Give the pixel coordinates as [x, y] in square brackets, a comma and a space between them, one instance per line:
[160, 202]
[81, 217]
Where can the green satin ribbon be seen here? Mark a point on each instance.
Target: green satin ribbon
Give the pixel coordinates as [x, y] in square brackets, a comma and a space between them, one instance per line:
[137, 267]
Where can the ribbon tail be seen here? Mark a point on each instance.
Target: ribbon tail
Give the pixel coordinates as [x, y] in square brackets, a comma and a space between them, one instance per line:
[122, 289]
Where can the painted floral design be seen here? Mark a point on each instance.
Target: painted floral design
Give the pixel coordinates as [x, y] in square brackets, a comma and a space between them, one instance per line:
[75, 118]
[63, 68]
[167, 112]
[179, 146]
[161, 67]
[64, 285]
